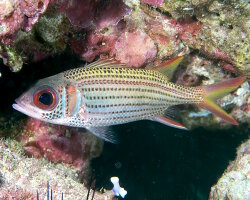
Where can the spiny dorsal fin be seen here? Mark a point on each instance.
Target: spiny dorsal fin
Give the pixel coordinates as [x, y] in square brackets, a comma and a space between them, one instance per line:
[171, 118]
[168, 67]
[106, 63]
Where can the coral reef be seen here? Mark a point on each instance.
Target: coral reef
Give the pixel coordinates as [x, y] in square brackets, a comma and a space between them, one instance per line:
[11, 58]
[235, 182]
[225, 34]
[22, 177]
[93, 13]
[96, 43]
[16, 15]
[213, 35]
[137, 54]
[153, 2]
[212, 27]
[59, 143]
[48, 37]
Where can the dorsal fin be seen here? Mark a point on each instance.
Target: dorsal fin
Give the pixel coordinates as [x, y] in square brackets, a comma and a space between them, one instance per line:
[106, 62]
[168, 67]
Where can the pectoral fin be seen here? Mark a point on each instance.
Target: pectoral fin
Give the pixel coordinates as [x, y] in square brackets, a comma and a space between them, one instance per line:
[105, 133]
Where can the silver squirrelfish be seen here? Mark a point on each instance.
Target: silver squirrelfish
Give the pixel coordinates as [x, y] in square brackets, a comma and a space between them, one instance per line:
[107, 93]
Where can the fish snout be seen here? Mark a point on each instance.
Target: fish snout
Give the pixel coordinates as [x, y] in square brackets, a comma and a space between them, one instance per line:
[24, 105]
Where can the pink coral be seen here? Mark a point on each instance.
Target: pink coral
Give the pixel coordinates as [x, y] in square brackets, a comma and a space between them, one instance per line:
[59, 143]
[227, 67]
[57, 149]
[17, 194]
[95, 44]
[98, 13]
[187, 28]
[224, 60]
[111, 13]
[135, 48]
[79, 13]
[19, 14]
[154, 2]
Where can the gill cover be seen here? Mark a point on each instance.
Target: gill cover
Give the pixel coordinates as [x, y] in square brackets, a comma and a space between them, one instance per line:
[73, 100]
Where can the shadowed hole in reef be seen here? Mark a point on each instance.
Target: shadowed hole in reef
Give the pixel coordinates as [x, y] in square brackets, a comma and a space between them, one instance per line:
[158, 162]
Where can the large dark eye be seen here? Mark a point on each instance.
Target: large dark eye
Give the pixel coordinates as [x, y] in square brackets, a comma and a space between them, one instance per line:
[45, 98]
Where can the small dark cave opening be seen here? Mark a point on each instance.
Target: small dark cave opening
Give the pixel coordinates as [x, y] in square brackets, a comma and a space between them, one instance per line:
[153, 161]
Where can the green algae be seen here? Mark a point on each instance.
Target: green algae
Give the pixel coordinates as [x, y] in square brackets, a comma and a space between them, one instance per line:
[12, 59]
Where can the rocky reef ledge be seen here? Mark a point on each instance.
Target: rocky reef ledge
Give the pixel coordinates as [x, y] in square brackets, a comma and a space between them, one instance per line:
[235, 182]
[23, 178]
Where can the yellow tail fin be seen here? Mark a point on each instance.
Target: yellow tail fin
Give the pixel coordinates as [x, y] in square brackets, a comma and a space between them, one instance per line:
[215, 91]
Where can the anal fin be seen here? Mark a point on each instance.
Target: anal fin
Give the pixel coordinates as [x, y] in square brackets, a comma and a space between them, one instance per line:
[169, 122]
[171, 118]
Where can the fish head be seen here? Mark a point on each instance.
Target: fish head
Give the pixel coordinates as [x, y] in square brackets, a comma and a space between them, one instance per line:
[43, 101]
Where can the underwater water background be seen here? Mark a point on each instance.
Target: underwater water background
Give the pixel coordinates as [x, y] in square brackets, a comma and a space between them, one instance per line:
[153, 161]
[156, 162]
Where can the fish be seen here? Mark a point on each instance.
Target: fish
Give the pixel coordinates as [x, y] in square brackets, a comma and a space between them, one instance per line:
[106, 93]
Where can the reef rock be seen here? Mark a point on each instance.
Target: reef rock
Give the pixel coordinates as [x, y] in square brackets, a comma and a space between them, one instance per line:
[100, 14]
[24, 178]
[135, 48]
[18, 14]
[153, 2]
[60, 144]
[235, 182]
[224, 35]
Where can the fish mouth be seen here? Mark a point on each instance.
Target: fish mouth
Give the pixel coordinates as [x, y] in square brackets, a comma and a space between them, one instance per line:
[19, 106]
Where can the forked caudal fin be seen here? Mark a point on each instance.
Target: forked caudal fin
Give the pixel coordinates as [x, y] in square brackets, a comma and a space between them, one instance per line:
[215, 91]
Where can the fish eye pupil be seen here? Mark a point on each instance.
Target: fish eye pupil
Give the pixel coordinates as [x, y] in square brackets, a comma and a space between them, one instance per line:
[46, 98]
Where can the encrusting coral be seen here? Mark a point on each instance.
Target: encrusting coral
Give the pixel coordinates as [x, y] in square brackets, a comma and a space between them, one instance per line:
[224, 35]
[214, 28]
